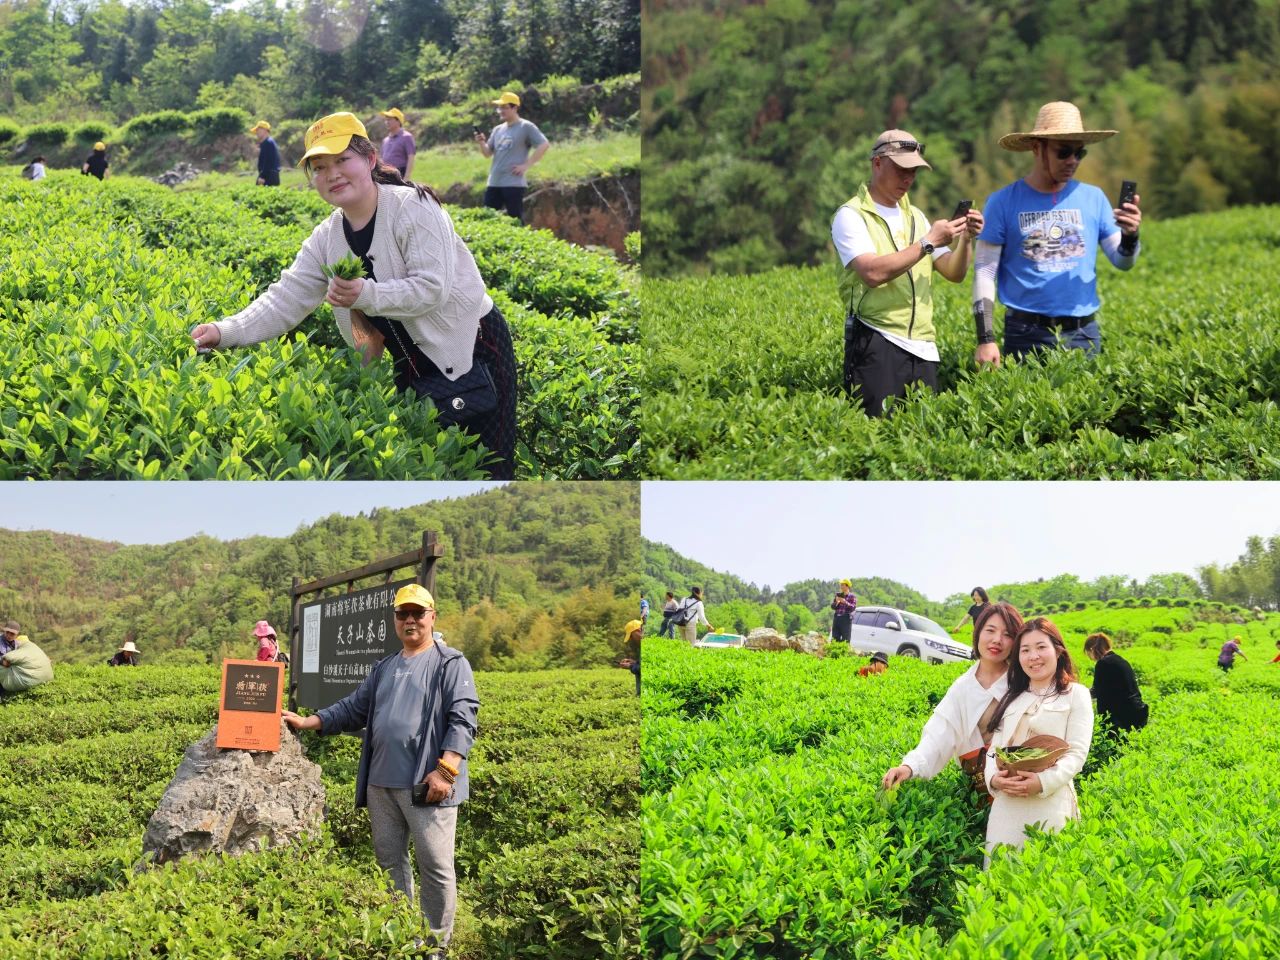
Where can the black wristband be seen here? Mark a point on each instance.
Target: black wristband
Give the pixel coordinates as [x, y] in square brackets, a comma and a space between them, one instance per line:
[1128, 244]
[982, 323]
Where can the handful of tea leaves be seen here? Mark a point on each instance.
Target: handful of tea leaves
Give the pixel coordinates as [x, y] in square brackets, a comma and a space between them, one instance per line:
[1019, 754]
[349, 267]
[1036, 754]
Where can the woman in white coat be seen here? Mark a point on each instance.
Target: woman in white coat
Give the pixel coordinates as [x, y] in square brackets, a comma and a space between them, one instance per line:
[957, 726]
[1043, 698]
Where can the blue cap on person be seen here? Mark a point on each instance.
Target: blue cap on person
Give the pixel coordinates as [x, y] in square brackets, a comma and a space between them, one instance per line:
[416, 595]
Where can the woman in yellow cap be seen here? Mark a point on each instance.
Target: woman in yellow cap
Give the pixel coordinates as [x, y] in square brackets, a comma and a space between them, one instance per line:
[422, 296]
[96, 164]
[632, 635]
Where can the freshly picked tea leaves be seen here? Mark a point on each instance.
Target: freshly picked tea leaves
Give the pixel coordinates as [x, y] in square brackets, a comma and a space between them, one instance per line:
[349, 267]
[1038, 753]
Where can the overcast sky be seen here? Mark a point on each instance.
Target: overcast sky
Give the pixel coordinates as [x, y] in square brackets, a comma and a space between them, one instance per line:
[163, 511]
[943, 538]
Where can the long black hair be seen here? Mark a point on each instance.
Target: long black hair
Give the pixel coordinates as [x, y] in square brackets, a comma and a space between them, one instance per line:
[980, 592]
[1007, 612]
[1064, 673]
[384, 172]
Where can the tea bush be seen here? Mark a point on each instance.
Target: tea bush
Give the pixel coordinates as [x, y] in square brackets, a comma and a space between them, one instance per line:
[765, 832]
[101, 380]
[744, 376]
[547, 847]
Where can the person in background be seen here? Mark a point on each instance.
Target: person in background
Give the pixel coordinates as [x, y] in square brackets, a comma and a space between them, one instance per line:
[24, 667]
[35, 169]
[268, 155]
[1276, 658]
[669, 608]
[878, 664]
[126, 656]
[980, 600]
[268, 647]
[96, 163]
[644, 609]
[509, 144]
[9, 638]
[417, 710]
[844, 604]
[1230, 650]
[691, 613]
[1115, 687]
[958, 726]
[398, 148]
[632, 634]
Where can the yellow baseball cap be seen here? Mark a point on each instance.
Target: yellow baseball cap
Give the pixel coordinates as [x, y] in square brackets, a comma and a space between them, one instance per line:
[260, 125]
[330, 135]
[393, 112]
[631, 627]
[99, 145]
[846, 583]
[414, 593]
[507, 97]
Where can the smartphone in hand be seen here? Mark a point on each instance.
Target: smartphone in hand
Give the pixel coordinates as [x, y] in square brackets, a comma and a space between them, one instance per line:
[1128, 190]
[962, 209]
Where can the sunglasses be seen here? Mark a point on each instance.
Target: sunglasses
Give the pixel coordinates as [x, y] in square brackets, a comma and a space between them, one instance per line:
[905, 146]
[1078, 152]
[411, 614]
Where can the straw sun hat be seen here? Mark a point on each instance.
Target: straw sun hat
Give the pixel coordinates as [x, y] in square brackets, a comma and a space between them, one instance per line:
[1055, 121]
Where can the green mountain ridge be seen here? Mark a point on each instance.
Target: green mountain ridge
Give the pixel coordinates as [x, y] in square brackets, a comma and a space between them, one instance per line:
[531, 573]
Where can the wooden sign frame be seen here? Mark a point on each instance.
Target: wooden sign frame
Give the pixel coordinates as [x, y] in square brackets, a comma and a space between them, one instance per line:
[249, 705]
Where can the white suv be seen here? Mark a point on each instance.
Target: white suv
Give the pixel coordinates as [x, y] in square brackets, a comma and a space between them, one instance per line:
[886, 630]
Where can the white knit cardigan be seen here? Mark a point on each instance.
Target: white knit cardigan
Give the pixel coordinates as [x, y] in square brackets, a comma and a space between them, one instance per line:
[427, 279]
[952, 730]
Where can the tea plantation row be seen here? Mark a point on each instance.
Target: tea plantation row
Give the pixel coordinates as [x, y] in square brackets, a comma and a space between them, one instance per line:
[764, 832]
[547, 846]
[100, 283]
[744, 376]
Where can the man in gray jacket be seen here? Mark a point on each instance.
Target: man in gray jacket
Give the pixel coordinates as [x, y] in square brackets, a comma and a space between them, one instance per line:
[418, 710]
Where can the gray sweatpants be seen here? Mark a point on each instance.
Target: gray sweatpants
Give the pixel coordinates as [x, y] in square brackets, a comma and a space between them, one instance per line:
[393, 819]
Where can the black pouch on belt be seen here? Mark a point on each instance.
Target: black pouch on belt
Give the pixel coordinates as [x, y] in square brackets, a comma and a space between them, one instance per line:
[460, 402]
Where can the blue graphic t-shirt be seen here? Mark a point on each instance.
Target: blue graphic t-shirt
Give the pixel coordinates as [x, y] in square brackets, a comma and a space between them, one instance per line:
[1049, 261]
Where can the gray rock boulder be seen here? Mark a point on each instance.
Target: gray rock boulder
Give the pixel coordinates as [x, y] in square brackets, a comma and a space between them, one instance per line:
[180, 173]
[814, 644]
[235, 801]
[766, 638]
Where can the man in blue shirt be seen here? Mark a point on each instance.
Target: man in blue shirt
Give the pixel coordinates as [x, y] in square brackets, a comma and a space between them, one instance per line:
[268, 155]
[1038, 249]
[418, 711]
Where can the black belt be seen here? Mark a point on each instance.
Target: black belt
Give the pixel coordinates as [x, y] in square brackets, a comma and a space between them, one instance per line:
[1039, 319]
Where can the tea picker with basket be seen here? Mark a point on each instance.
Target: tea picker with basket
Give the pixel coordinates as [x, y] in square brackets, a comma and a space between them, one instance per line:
[1040, 737]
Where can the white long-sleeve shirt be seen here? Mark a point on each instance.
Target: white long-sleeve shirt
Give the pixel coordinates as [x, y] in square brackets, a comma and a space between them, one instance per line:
[952, 730]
